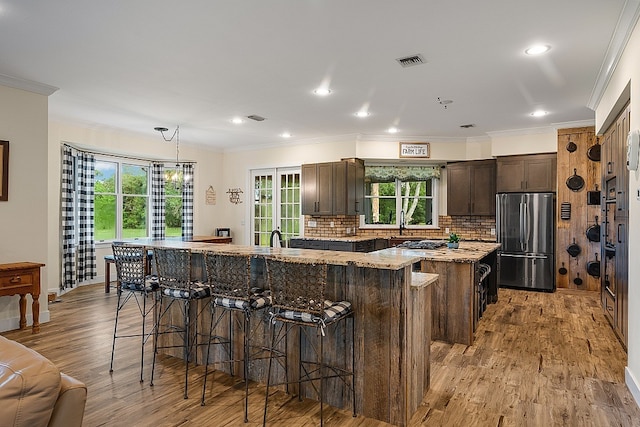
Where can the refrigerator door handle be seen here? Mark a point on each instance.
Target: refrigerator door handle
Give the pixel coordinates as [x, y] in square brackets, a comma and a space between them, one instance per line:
[521, 236]
[527, 226]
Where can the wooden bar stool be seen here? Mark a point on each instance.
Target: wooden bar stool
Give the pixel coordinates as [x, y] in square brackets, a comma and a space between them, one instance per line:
[298, 299]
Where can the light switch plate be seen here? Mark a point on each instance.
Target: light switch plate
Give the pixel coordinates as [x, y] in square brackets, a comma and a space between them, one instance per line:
[446, 230]
[312, 224]
[493, 231]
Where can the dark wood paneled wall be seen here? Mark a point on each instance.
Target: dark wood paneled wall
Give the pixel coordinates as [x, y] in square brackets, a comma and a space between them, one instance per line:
[582, 215]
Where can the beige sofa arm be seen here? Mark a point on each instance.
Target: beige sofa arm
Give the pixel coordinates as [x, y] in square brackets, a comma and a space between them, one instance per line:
[69, 408]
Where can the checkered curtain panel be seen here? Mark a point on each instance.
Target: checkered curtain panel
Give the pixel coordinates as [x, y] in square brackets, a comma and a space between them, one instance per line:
[67, 220]
[86, 256]
[157, 200]
[187, 201]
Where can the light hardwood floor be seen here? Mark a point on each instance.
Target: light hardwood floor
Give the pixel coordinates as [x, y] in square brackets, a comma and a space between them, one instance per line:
[539, 360]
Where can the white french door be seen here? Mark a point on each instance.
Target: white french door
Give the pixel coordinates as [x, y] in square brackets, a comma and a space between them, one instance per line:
[275, 204]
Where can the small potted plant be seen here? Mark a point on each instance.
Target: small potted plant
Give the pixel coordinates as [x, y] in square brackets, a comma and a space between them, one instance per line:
[453, 241]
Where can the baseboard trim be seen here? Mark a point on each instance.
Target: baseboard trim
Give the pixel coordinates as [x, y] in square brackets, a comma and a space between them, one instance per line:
[632, 385]
[13, 323]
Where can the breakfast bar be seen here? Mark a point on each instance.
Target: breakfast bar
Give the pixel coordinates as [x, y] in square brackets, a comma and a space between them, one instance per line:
[392, 315]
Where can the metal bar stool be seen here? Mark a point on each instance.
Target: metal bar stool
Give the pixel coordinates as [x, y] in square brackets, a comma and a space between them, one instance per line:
[173, 267]
[298, 299]
[133, 282]
[229, 278]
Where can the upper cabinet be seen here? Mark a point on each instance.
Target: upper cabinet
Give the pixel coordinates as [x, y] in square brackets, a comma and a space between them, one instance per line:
[333, 188]
[471, 188]
[535, 172]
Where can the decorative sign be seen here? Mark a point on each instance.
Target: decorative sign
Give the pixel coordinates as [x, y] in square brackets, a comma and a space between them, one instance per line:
[210, 196]
[234, 195]
[415, 150]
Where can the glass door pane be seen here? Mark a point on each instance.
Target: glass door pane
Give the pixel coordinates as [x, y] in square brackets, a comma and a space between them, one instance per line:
[276, 204]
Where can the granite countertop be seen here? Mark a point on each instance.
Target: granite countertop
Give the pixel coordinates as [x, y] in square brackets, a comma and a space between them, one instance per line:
[380, 260]
[469, 251]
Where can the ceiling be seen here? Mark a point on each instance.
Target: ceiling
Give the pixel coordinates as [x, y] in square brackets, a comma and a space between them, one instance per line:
[135, 65]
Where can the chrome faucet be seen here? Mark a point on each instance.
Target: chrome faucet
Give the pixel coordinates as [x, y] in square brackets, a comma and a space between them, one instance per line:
[402, 224]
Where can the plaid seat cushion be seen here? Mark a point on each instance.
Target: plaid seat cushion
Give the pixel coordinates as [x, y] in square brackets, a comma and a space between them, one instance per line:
[150, 285]
[199, 290]
[258, 300]
[332, 311]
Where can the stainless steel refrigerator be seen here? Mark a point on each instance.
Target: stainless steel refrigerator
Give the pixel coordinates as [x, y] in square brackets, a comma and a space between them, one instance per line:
[525, 225]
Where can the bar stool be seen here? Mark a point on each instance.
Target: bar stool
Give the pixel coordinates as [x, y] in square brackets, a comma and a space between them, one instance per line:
[173, 267]
[298, 299]
[229, 278]
[133, 282]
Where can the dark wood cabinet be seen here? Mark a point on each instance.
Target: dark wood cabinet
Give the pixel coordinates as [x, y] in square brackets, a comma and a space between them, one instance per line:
[535, 172]
[367, 245]
[333, 188]
[471, 188]
[615, 225]
[317, 189]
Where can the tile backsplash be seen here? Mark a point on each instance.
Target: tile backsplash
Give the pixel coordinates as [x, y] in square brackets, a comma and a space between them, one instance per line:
[467, 227]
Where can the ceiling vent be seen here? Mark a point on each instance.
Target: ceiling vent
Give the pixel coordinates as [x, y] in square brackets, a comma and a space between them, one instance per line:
[410, 61]
[470, 125]
[256, 117]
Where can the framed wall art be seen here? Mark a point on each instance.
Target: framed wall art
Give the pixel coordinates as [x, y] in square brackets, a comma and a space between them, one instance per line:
[414, 150]
[4, 171]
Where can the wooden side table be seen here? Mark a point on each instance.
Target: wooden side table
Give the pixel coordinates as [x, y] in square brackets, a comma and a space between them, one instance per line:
[22, 278]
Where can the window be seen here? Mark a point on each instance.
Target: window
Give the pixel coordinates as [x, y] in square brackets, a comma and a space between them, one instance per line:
[105, 200]
[172, 204]
[121, 200]
[389, 193]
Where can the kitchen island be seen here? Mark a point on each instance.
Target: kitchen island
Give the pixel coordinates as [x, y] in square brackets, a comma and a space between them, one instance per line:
[455, 297]
[392, 315]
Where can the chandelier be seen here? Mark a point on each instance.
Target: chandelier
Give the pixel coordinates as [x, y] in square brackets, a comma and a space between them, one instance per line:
[176, 176]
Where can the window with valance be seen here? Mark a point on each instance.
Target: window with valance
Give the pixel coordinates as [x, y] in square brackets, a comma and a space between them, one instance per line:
[394, 193]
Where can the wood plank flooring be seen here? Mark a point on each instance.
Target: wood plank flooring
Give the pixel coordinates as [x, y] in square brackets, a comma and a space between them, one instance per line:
[539, 360]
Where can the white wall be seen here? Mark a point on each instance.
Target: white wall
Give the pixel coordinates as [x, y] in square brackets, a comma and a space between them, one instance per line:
[627, 68]
[539, 140]
[208, 172]
[237, 174]
[23, 218]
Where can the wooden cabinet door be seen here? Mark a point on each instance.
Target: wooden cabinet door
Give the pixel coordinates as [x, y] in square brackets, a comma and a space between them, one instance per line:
[483, 188]
[622, 281]
[324, 189]
[458, 192]
[354, 187]
[340, 195]
[308, 189]
[540, 174]
[510, 175]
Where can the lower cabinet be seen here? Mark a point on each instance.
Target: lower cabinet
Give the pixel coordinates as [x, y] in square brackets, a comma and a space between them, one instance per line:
[368, 245]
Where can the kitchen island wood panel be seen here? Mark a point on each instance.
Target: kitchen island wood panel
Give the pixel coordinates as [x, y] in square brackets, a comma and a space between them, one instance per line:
[454, 296]
[392, 314]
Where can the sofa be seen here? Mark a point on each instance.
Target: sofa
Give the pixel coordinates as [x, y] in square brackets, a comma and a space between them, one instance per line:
[33, 392]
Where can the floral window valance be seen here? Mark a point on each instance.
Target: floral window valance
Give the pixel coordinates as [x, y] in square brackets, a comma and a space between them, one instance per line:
[403, 173]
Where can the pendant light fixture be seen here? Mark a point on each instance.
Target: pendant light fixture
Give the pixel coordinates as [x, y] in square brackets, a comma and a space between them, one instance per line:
[176, 177]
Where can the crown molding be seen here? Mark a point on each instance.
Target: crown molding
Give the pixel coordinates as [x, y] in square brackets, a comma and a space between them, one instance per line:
[624, 27]
[574, 124]
[28, 85]
[521, 132]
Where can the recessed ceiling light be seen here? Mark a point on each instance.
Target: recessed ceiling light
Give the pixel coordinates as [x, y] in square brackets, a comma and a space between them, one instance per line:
[237, 120]
[539, 113]
[392, 130]
[537, 49]
[285, 135]
[362, 114]
[322, 91]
